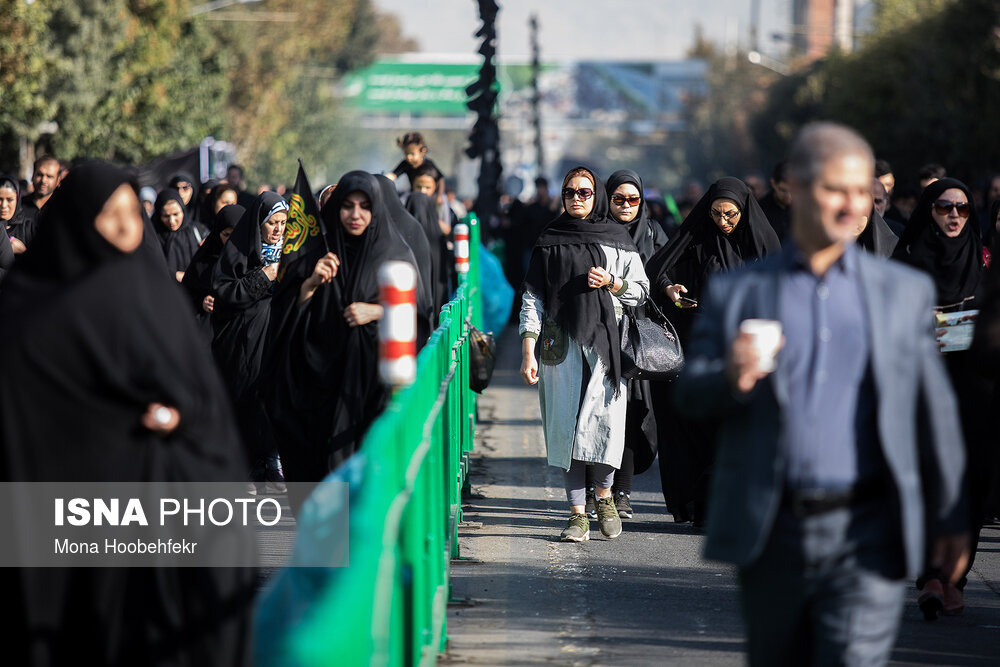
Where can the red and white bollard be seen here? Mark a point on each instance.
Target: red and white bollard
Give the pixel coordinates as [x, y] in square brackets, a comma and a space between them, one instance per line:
[397, 330]
[462, 248]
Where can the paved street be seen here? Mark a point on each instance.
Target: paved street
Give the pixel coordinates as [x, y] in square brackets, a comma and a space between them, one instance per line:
[646, 598]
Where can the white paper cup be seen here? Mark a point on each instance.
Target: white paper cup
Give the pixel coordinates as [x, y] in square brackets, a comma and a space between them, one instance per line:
[766, 340]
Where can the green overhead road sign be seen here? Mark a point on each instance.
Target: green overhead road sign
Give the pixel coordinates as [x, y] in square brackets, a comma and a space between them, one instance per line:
[419, 88]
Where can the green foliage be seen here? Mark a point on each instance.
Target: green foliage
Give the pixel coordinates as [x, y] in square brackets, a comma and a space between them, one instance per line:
[134, 79]
[129, 80]
[719, 140]
[281, 104]
[24, 61]
[919, 89]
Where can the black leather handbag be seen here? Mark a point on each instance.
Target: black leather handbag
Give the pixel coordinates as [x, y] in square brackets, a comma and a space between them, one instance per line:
[650, 348]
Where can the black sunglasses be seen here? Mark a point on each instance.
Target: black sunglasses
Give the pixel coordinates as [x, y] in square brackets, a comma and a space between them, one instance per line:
[583, 193]
[943, 207]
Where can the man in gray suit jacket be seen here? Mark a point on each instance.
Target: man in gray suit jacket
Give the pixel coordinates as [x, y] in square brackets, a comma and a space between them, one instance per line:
[836, 470]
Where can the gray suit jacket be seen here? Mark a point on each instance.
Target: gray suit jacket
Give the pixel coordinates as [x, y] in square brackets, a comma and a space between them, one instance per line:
[918, 424]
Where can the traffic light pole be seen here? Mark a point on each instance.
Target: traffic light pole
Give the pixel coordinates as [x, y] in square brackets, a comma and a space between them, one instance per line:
[485, 137]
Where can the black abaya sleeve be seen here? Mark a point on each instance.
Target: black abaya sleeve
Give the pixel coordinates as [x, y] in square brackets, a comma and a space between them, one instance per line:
[241, 292]
[6, 253]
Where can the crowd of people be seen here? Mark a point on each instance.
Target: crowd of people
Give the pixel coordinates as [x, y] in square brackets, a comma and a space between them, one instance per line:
[164, 334]
[866, 455]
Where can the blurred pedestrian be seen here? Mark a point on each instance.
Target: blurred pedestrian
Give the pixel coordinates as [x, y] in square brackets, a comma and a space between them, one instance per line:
[104, 380]
[824, 479]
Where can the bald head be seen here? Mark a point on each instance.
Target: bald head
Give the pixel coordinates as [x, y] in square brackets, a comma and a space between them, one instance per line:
[818, 143]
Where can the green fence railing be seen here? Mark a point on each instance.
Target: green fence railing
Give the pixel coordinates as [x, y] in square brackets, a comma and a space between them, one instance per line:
[388, 606]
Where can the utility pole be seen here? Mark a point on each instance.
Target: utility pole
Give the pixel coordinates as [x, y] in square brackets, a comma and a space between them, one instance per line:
[536, 97]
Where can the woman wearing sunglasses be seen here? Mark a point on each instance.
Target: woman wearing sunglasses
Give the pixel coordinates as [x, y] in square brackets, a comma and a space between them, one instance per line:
[724, 230]
[942, 238]
[583, 268]
[628, 208]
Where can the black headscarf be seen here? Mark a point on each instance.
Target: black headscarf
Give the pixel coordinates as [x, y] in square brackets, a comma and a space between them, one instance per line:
[64, 247]
[198, 276]
[876, 237]
[648, 237]
[411, 231]
[242, 254]
[179, 245]
[192, 211]
[557, 274]
[204, 201]
[93, 336]
[241, 317]
[699, 248]
[956, 265]
[22, 224]
[14, 227]
[425, 211]
[185, 177]
[323, 380]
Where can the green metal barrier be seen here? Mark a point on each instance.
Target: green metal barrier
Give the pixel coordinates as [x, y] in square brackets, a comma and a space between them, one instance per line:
[388, 606]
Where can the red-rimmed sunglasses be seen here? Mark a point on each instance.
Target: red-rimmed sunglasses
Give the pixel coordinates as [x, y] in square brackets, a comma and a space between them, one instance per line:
[943, 207]
[619, 200]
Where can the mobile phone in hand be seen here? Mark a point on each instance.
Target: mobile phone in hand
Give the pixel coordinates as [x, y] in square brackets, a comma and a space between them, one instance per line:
[686, 300]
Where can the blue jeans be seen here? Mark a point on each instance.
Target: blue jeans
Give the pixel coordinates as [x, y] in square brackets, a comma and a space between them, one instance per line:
[827, 589]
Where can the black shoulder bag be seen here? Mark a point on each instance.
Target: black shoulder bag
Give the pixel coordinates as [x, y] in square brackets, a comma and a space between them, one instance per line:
[650, 348]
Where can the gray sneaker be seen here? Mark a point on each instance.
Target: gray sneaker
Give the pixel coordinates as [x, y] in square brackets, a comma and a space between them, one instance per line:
[577, 530]
[607, 516]
[623, 503]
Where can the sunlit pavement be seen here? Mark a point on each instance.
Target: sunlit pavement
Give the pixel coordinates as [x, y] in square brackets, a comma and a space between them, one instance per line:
[645, 598]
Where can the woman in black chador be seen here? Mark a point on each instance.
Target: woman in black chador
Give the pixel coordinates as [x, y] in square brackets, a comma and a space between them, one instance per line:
[724, 230]
[175, 231]
[243, 281]
[104, 380]
[410, 230]
[324, 388]
[423, 208]
[627, 206]
[942, 238]
[198, 277]
[19, 223]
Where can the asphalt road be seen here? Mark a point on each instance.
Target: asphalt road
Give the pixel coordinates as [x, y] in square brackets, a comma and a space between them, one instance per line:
[645, 598]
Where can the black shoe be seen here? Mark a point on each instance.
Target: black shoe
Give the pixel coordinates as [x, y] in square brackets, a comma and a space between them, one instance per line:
[623, 505]
[591, 509]
[274, 477]
[931, 599]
